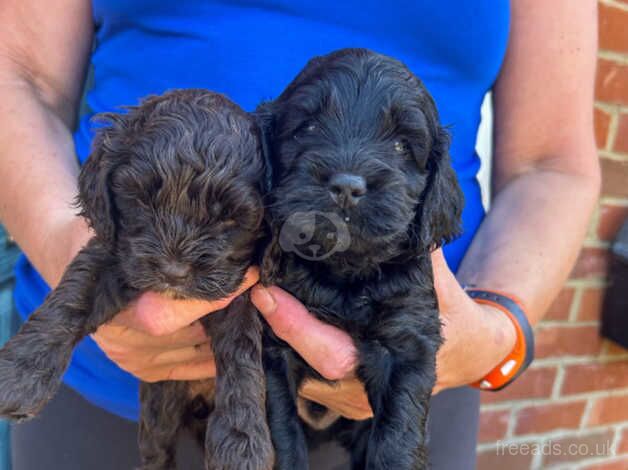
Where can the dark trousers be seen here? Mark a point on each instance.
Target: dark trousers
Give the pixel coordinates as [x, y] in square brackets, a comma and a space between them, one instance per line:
[72, 434]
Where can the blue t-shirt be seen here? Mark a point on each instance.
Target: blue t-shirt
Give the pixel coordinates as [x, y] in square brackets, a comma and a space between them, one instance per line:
[250, 50]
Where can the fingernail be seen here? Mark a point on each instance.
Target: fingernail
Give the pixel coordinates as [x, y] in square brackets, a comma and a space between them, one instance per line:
[264, 300]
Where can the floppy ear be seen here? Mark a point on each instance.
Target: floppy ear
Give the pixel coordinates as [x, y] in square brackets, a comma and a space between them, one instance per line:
[438, 216]
[271, 259]
[265, 119]
[95, 198]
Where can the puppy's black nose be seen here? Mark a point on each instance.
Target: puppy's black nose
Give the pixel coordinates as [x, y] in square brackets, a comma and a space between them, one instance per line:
[175, 271]
[346, 189]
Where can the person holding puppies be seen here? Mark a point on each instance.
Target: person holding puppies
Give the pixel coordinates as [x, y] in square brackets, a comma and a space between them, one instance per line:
[545, 183]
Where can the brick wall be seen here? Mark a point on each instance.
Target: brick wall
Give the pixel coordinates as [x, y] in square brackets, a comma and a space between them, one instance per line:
[570, 409]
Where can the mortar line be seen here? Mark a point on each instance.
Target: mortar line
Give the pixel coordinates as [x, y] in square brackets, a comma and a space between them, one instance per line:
[612, 132]
[610, 108]
[526, 402]
[614, 3]
[614, 201]
[586, 414]
[575, 303]
[614, 156]
[614, 56]
[558, 383]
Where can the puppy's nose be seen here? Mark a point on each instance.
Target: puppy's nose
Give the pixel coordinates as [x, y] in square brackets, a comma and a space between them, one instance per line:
[346, 189]
[175, 271]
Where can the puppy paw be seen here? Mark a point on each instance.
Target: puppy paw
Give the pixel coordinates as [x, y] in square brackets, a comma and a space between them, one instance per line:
[28, 380]
[232, 447]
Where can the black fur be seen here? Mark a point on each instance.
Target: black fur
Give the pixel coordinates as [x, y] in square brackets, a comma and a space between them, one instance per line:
[364, 114]
[172, 192]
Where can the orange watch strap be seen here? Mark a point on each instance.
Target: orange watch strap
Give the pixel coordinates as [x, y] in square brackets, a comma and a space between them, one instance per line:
[522, 354]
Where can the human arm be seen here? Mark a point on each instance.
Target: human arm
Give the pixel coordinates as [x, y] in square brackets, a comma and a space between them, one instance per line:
[43, 60]
[546, 174]
[43, 57]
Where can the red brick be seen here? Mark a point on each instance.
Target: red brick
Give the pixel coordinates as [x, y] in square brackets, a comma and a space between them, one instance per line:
[544, 418]
[492, 459]
[611, 84]
[612, 218]
[622, 448]
[608, 410]
[615, 349]
[577, 448]
[559, 310]
[591, 262]
[621, 464]
[582, 378]
[493, 425]
[613, 31]
[534, 383]
[614, 178]
[621, 139]
[602, 122]
[591, 304]
[552, 341]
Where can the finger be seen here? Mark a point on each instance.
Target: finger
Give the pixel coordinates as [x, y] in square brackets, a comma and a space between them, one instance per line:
[440, 269]
[196, 353]
[440, 284]
[346, 397]
[326, 348]
[159, 315]
[448, 290]
[438, 259]
[124, 336]
[187, 371]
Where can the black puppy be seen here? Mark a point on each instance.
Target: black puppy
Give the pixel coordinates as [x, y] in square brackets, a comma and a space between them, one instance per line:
[364, 191]
[172, 193]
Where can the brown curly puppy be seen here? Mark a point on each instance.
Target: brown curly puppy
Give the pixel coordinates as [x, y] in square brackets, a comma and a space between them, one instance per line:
[172, 193]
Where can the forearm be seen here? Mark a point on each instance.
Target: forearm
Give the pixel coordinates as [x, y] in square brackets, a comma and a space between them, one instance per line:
[38, 171]
[531, 236]
[43, 58]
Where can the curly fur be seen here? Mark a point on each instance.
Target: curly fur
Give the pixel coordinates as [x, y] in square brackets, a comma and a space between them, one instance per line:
[357, 112]
[172, 193]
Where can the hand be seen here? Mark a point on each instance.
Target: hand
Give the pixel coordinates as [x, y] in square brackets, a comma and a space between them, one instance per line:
[326, 348]
[157, 338]
[476, 337]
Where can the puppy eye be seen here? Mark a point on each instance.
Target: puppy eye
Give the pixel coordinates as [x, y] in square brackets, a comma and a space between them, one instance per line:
[401, 147]
[307, 128]
[310, 127]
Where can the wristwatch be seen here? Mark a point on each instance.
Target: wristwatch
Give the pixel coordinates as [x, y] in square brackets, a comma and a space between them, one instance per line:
[522, 354]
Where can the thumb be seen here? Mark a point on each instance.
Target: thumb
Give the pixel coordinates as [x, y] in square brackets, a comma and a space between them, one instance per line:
[448, 289]
[326, 348]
